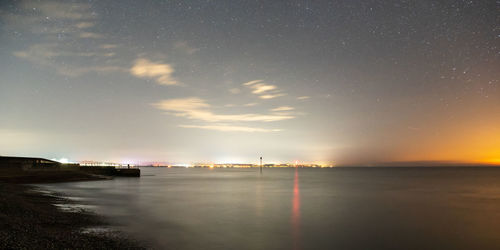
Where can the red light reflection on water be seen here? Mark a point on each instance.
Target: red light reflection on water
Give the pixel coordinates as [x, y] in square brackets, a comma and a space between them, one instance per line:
[295, 220]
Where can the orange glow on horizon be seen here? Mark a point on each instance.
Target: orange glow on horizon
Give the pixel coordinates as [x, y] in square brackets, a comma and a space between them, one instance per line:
[494, 161]
[465, 142]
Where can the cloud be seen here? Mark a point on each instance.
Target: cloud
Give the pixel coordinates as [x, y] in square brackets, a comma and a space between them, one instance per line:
[76, 71]
[251, 82]
[235, 91]
[51, 51]
[84, 25]
[108, 46]
[185, 47]
[110, 54]
[229, 128]
[303, 97]
[90, 35]
[182, 104]
[59, 28]
[48, 17]
[270, 96]
[250, 104]
[197, 109]
[161, 72]
[261, 88]
[53, 55]
[282, 108]
[60, 10]
[264, 90]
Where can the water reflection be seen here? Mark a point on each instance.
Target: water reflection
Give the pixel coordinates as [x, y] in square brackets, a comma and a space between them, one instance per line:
[259, 203]
[296, 211]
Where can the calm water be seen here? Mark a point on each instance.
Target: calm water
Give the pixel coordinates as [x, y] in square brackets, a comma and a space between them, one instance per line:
[382, 208]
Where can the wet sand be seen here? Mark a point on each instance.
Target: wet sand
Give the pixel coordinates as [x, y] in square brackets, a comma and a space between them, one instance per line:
[30, 219]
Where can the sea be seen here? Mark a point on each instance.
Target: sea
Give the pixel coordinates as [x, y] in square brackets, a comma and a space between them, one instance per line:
[300, 208]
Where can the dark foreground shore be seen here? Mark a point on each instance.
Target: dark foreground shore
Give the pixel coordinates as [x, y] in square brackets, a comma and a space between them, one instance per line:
[30, 220]
[27, 177]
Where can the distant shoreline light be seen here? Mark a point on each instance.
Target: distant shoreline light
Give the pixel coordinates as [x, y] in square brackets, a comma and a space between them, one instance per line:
[104, 164]
[239, 165]
[205, 165]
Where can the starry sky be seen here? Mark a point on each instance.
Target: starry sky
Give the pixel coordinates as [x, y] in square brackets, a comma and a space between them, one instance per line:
[343, 82]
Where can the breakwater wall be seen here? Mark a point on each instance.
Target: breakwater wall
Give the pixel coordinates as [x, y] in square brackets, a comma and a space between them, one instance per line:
[111, 171]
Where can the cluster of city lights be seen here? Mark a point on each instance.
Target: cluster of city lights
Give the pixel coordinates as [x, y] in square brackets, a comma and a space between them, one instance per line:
[244, 165]
[104, 164]
[195, 165]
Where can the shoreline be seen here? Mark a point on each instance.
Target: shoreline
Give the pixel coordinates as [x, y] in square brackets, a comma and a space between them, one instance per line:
[31, 218]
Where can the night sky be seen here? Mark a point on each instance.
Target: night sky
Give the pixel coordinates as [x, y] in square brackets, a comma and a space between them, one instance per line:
[343, 82]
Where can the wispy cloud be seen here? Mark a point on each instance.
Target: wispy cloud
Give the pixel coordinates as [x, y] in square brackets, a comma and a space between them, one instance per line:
[282, 108]
[263, 90]
[60, 10]
[303, 97]
[108, 46]
[52, 55]
[259, 87]
[271, 96]
[235, 90]
[159, 71]
[185, 47]
[84, 25]
[90, 35]
[197, 109]
[251, 82]
[50, 16]
[60, 27]
[230, 128]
